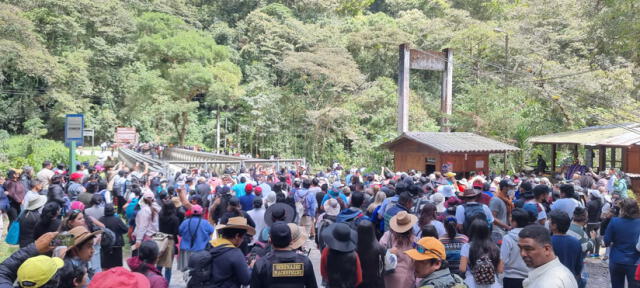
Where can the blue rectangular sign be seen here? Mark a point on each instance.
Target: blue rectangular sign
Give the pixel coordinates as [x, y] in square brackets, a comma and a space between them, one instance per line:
[73, 127]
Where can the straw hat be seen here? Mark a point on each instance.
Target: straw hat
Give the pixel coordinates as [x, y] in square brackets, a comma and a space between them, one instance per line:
[80, 234]
[298, 236]
[237, 223]
[403, 222]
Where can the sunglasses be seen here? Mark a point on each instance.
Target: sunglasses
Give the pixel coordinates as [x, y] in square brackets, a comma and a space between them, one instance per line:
[422, 250]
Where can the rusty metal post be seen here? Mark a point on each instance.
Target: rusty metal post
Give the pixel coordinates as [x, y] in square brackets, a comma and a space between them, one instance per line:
[446, 105]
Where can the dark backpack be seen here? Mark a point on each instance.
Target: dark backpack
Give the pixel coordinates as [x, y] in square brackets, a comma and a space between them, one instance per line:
[324, 223]
[483, 271]
[472, 211]
[200, 268]
[108, 239]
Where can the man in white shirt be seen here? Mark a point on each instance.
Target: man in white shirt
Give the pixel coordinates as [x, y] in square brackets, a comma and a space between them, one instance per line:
[537, 252]
[45, 174]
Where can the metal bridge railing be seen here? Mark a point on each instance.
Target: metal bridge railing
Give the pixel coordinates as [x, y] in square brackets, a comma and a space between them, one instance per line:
[218, 162]
[130, 158]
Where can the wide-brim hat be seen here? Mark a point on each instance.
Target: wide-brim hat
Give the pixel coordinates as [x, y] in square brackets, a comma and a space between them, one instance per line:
[438, 200]
[298, 236]
[402, 222]
[282, 212]
[450, 174]
[237, 223]
[37, 202]
[331, 207]
[80, 235]
[469, 193]
[340, 237]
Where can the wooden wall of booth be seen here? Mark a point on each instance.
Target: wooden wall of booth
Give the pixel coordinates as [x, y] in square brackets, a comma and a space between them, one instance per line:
[413, 155]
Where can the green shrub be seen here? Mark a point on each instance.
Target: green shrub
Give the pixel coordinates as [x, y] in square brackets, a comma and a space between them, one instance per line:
[19, 151]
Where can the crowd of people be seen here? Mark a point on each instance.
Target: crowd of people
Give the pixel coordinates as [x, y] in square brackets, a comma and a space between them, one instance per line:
[257, 227]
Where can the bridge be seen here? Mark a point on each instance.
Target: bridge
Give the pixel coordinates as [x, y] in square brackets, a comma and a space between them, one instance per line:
[175, 159]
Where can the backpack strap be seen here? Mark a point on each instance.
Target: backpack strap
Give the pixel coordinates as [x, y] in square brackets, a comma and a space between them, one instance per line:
[194, 234]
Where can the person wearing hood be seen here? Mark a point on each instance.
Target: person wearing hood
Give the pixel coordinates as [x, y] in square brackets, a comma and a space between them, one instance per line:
[145, 264]
[515, 270]
[146, 219]
[335, 193]
[353, 214]
[112, 257]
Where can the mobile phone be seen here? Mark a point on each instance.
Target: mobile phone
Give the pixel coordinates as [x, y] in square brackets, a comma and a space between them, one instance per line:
[62, 239]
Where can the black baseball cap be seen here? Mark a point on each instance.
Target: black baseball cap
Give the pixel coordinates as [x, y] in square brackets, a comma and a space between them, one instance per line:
[280, 234]
[507, 183]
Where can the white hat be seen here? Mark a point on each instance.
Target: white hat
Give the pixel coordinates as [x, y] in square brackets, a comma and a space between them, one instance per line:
[438, 200]
[331, 207]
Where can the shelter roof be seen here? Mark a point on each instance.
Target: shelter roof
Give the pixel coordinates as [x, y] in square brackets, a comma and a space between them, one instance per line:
[607, 135]
[453, 142]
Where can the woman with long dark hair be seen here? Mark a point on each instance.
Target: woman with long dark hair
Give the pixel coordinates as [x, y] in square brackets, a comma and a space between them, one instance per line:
[428, 216]
[339, 263]
[145, 264]
[483, 253]
[169, 224]
[49, 221]
[371, 255]
[453, 242]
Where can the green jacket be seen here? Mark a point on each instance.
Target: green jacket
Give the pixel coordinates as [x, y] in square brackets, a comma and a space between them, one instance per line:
[442, 279]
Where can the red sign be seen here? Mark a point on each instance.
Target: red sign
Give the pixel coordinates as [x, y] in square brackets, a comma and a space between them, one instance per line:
[126, 135]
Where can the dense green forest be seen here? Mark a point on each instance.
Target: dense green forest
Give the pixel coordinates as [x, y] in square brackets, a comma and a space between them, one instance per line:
[313, 78]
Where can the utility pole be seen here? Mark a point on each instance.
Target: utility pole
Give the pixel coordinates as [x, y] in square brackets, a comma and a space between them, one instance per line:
[506, 54]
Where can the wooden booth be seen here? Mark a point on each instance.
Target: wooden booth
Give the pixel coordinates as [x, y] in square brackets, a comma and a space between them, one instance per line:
[608, 146]
[460, 152]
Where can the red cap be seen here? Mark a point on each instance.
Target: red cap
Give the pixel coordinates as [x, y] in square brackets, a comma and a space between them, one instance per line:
[76, 175]
[248, 188]
[119, 277]
[258, 191]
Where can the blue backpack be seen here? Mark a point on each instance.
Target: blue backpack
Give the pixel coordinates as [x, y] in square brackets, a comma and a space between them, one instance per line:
[472, 211]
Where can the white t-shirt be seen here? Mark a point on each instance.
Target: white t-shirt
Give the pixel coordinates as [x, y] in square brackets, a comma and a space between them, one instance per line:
[464, 252]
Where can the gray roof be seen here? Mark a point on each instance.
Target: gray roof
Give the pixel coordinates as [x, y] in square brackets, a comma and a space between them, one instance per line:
[454, 142]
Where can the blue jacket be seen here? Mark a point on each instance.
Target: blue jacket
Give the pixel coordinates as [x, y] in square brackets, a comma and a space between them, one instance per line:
[246, 202]
[622, 234]
[569, 252]
[202, 234]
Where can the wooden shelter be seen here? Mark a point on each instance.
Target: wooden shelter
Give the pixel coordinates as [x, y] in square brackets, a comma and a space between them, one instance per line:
[608, 146]
[462, 152]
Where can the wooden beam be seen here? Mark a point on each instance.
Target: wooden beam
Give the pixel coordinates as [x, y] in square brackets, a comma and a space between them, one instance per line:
[554, 148]
[613, 156]
[602, 158]
[624, 158]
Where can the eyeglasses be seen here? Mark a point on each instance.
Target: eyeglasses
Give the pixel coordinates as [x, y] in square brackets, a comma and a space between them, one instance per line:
[422, 250]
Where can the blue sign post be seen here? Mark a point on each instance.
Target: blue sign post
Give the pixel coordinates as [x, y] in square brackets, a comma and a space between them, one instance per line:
[73, 136]
[73, 127]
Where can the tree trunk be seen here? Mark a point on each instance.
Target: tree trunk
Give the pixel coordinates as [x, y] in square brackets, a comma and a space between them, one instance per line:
[218, 130]
[183, 128]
